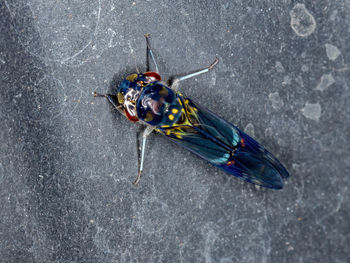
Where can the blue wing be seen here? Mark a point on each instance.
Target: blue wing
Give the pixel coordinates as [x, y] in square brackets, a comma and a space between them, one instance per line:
[225, 146]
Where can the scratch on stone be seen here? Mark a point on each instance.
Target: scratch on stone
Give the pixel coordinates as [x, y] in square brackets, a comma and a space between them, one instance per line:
[249, 129]
[61, 112]
[133, 55]
[130, 47]
[20, 33]
[267, 247]
[213, 79]
[299, 189]
[346, 68]
[183, 244]
[336, 208]
[33, 15]
[77, 104]
[92, 37]
[209, 241]
[112, 33]
[8, 8]
[100, 240]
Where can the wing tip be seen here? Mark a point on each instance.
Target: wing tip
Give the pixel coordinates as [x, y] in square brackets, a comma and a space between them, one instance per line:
[278, 184]
[256, 170]
[275, 183]
[254, 146]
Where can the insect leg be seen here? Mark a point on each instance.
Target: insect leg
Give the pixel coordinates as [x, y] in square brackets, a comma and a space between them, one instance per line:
[147, 131]
[175, 81]
[112, 100]
[150, 53]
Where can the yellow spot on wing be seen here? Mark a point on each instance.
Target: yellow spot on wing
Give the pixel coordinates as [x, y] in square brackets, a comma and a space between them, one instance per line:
[174, 110]
[171, 117]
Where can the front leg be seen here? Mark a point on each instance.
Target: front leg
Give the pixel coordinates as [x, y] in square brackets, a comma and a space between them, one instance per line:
[175, 81]
[147, 131]
[150, 54]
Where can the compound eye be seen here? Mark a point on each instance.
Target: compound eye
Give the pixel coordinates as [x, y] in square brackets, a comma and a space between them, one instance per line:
[131, 95]
[127, 96]
[153, 76]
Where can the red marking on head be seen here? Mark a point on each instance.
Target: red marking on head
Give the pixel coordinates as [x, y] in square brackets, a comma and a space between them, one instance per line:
[153, 75]
[242, 142]
[232, 162]
[130, 117]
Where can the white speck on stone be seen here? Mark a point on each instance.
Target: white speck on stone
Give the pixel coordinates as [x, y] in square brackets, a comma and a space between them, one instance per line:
[279, 67]
[312, 111]
[112, 35]
[302, 21]
[304, 68]
[296, 166]
[268, 132]
[325, 81]
[289, 247]
[213, 80]
[277, 102]
[286, 81]
[281, 142]
[334, 15]
[249, 129]
[299, 80]
[332, 51]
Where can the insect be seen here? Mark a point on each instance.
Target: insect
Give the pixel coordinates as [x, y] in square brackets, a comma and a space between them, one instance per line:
[145, 98]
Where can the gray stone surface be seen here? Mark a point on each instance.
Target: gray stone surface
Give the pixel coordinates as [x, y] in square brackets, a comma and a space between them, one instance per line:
[67, 160]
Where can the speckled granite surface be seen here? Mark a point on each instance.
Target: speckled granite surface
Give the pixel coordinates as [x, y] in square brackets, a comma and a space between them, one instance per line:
[67, 160]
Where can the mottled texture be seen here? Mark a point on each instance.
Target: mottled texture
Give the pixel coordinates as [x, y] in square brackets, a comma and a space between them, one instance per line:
[325, 81]
[302, 21]
[67, 160]
[332, 51]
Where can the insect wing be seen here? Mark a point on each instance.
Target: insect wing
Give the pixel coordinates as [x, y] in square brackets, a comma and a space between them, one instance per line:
[227, 147]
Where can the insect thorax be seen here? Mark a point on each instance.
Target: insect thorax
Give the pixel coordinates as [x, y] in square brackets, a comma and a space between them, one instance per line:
[158, 105]
[144, 97]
